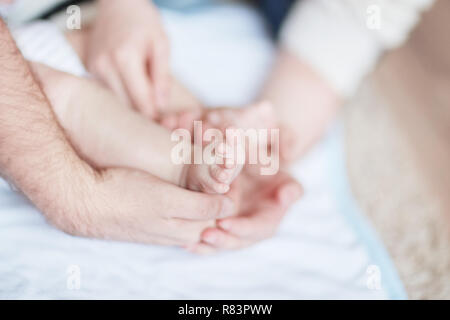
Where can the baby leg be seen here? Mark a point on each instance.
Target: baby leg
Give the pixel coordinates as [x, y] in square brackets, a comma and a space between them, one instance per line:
[106, 132]
[110, 134]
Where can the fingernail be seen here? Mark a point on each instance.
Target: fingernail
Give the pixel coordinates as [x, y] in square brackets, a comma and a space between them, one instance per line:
[227, 208]
[210, 238]
[226, 188]
[225, 225]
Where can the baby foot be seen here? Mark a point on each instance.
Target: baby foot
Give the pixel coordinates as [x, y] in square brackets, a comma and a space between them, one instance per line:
[180, 120]
[215, 177]
[256, 116]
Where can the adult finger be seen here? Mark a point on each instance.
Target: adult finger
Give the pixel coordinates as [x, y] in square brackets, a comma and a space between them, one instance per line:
[169, 121]
[184, 232]
[288, 193]
[263, 221]
[110, 77]
[219, 239]
[102, 68]
[197, 206]
[159, 70]
[135, 78]
[201, 248]
[260, 224]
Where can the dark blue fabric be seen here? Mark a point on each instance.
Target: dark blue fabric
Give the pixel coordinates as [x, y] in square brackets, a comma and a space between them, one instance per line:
[275, 12]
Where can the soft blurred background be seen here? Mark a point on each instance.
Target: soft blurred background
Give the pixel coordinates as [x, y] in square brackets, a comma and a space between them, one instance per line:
[398, 154]
[397, 138]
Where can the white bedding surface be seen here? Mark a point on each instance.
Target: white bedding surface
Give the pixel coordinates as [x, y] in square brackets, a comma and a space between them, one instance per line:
[322, 250]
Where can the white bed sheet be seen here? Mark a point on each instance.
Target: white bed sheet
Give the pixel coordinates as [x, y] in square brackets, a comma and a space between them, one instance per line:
[324, 249]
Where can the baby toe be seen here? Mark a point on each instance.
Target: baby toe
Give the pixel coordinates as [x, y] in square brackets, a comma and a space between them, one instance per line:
[219, 174]
[221, 188]
[225, 152]
[207, 181]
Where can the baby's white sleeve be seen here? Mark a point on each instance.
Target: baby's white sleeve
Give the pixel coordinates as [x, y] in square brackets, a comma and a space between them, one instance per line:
[342, 39]
[20, 11]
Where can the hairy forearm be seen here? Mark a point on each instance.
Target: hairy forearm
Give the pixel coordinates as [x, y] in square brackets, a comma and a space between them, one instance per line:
[34, 153]
[303, 102]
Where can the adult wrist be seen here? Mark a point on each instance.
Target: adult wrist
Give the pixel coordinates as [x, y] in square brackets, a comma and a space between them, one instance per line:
[35, 155]
[65, 194]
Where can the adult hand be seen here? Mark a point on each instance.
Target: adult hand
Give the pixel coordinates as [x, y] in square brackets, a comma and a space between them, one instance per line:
[129, 205]
[128, 51]
[116, 204]
[263, 202]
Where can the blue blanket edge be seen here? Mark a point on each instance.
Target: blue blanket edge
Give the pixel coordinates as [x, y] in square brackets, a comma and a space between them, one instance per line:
[390, 280]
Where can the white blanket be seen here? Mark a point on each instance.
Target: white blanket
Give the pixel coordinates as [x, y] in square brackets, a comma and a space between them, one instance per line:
[324, 248]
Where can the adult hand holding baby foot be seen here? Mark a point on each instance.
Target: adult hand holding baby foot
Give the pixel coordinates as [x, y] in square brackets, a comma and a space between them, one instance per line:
[148, 210]
[262, 203]
[129, 52]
